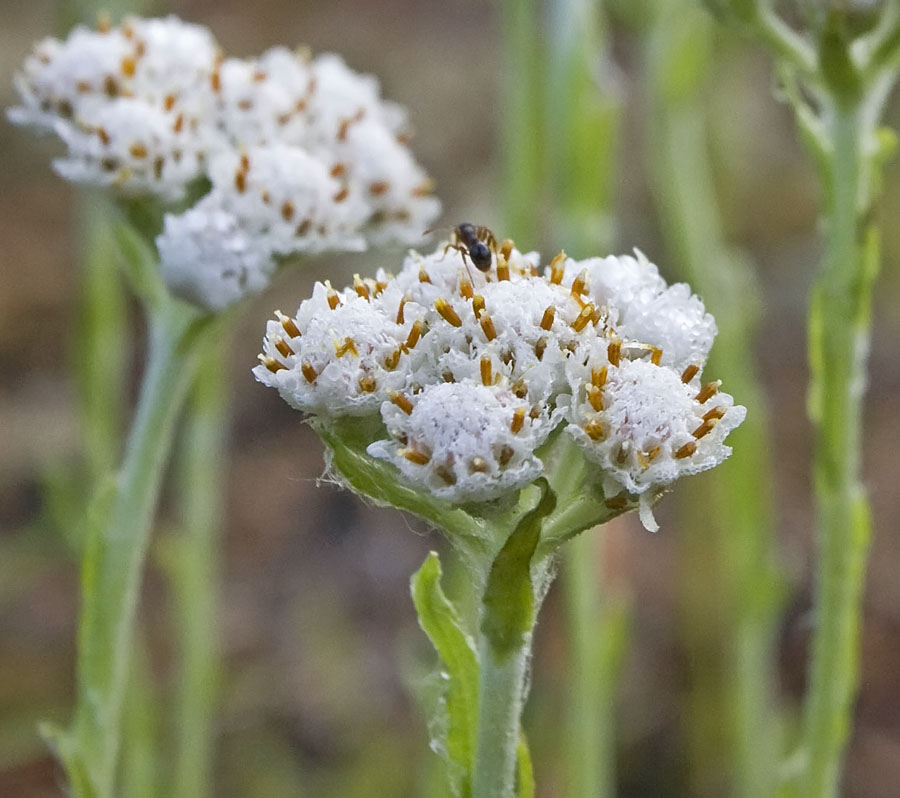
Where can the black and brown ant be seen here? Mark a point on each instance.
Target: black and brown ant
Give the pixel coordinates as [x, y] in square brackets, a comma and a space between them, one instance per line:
[476, 241]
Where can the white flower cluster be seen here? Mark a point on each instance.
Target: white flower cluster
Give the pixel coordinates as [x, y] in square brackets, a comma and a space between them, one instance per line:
[471, 372]
[301, 153]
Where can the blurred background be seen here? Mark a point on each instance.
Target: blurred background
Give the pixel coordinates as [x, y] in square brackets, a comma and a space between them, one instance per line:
[322, 657]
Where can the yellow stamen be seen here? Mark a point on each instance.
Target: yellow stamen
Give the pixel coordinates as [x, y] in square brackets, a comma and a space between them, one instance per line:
[465, 287]
[598, 377]
[423, 275]
[614, 351]
[348, 347]
[595, 397]
[547, 318]
[271, 364]
[487, 376]
[415, 332]
[595, 430]
[400, 319]
[401, 401]
[367, 384]
[478, 305]
[582, 319]
[360, 287]
[705, 428]
[447, 312]
[308, 371]
[518, 420]
[333, 299]
[487, 325]
[391, 361]
[707, 391]
[540, 347]
[478, 465]
[689, 373]
[506, 454]
[578, 284]
[558, 268]
[288, 324]
[502, 267]
[520, 389]
[686, 451]
[507, 247]
[717, 412]
[282, 346]
[419, 458]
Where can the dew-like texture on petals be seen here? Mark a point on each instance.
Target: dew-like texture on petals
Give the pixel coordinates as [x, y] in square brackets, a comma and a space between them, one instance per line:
[646, 430]
[472, 371]
[208, 258]
[303, 153]
[457, 442]
[334, 355]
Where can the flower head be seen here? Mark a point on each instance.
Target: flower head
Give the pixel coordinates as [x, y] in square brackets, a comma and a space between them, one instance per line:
[471, 373]
[296, 154]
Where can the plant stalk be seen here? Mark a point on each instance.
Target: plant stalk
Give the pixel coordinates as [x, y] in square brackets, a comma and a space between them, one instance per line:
[839, 330]
[501, 696]
[116, 550]
[192, 565]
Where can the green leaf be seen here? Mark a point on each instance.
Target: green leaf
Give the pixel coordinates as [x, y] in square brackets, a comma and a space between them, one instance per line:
[380, 481]
[65, 748]
[509, 595]
[525, 787]
[440, 621]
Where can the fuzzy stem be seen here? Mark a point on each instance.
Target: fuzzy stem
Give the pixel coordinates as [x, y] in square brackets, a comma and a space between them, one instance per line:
[501, 695]
[838, 339]
[116, 550]
[192, 565]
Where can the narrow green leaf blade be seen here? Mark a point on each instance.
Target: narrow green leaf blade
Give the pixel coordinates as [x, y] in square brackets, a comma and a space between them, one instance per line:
[525, 787]
[440, 621]
[509, 595]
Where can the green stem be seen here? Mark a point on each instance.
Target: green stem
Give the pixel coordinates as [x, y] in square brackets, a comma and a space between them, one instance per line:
[839, 333]
[102, 348]
[192, 564]
[501, 695]
[116, 551]
[590, 743]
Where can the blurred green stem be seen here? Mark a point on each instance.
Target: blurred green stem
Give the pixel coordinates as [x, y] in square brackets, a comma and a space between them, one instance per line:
[839, 328]
[141, 725]
[116, 550]
[102, 345]
[191, 559]
[742, 530]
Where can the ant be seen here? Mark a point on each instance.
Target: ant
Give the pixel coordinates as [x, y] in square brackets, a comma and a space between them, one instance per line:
[476, 241]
